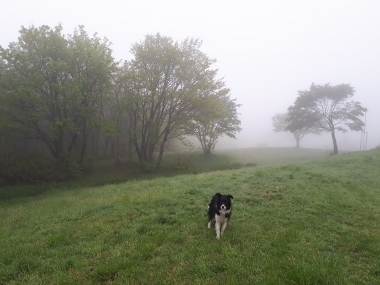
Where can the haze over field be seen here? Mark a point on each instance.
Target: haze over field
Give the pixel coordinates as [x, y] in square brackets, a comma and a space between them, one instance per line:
[265, 50]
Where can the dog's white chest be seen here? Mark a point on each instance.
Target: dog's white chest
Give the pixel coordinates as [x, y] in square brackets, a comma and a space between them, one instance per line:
[222, 217]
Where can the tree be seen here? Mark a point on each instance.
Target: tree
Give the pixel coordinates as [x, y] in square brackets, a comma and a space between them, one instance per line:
[280, 123]
[327, 107]
[6, 126]
[171, 83]
[54, 86]
[32, 82]
[91, 70]
[220, 118]
[116, 111]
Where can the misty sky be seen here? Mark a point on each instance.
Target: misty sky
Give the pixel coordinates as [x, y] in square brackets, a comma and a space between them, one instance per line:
[266, 50]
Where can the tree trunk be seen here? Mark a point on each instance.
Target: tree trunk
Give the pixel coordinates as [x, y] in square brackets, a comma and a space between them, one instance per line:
[74, 139]
[297, 141]
[162, 146]
[83, 151]
[159, 159]
[298, 138]
[115, 146]
[334, 142]
[106, 146]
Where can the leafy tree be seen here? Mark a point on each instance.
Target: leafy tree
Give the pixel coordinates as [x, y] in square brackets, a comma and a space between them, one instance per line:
[35, 72]
[53, 86]
[280, 123]
[220, 118]
[327, 107]
[6, 130]
[171, 82]
[91, 69]
[116, 111]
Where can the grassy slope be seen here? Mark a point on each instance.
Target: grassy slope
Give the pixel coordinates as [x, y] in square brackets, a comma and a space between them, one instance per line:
[273, 156]
[304, 223]
[104, 172]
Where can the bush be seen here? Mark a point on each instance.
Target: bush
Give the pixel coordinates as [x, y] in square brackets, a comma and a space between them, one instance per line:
[31, 168]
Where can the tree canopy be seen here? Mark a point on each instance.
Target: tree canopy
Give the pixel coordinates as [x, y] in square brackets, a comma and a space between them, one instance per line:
[173, 86]
[328, 108]
[68, 93]
[53, 85]
[219, 119]
[280, 124]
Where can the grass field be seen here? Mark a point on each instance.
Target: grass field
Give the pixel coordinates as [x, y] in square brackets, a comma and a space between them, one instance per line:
[304, 222]
[104, 172]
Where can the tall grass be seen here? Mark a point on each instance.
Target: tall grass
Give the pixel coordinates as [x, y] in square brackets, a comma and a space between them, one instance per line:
[301, 223]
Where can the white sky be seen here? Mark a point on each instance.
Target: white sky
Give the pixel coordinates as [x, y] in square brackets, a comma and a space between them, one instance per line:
[266, 50]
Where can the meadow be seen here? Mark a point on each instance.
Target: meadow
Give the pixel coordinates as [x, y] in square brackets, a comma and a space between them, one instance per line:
[305, 218]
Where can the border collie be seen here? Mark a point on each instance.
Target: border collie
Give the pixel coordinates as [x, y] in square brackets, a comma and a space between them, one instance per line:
[220, 209]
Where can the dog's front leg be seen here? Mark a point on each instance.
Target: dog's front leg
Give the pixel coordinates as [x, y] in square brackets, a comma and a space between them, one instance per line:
[224, 225]
[217, 226]
[217, 229]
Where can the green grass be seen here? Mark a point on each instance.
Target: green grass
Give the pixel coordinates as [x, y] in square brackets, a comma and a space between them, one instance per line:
[103, 172]
[296, 223]
[272, 156]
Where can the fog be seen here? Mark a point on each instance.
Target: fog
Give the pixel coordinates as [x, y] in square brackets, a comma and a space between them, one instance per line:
[265, 50]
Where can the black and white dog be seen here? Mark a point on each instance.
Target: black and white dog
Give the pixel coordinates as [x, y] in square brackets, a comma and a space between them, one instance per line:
[220, 209]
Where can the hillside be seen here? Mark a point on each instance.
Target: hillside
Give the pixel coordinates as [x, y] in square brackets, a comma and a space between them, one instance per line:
[313, 222]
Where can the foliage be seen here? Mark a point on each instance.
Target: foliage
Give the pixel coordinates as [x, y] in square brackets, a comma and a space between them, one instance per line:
[280, 123]
[328, 108]
[171, 86]
[304, 223]
[117, 124]
[34, 169]
[219, 118]
[65, 95]
[52, 86]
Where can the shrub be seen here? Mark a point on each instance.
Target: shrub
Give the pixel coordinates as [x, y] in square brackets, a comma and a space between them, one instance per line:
[31, 168]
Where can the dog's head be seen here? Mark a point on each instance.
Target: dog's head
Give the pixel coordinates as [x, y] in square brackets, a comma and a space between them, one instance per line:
[223, 202]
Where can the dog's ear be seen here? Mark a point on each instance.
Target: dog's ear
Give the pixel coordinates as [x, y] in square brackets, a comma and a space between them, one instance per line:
[218, 194]
[230, 196]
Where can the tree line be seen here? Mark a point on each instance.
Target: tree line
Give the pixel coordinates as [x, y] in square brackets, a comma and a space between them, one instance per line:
[322, 108]
[66, 96]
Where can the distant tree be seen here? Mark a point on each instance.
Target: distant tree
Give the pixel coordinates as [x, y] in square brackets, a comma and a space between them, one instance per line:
[280, 123]
[219, 118]
[171, 84]
[328, 108]
[53, 86]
